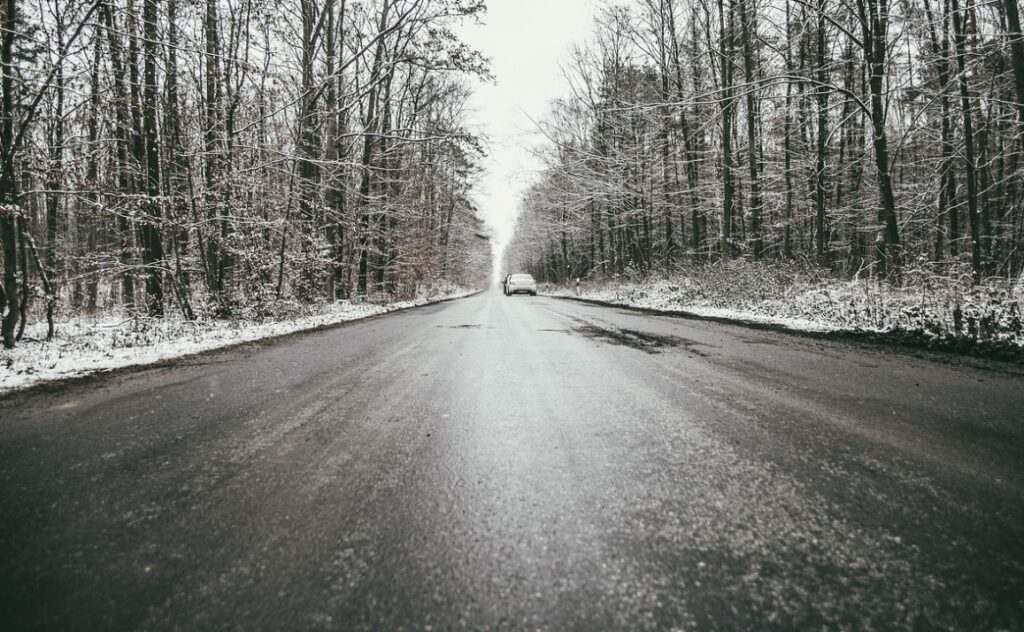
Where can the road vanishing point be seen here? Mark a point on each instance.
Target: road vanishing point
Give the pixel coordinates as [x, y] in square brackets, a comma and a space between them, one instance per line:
[519, 463]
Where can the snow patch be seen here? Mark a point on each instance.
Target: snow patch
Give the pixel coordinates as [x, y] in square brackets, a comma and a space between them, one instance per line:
[928, 308]
[83, 345]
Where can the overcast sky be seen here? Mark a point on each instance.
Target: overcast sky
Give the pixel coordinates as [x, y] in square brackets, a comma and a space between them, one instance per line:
[528, 41]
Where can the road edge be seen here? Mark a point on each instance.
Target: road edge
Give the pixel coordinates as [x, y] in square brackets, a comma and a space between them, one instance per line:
[906, 341]
[55, 384]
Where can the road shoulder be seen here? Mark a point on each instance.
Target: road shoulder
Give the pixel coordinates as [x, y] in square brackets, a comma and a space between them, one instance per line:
[998, 357]
[47, 366]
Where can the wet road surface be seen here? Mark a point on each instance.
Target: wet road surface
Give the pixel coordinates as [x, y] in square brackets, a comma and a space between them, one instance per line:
[519, 463]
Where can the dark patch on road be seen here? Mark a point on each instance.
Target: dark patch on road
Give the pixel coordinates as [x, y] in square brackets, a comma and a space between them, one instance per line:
[461, 326]
[559, 331]
[640, 340]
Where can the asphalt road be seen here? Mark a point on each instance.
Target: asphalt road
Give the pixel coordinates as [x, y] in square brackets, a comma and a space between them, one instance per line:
[519, 463]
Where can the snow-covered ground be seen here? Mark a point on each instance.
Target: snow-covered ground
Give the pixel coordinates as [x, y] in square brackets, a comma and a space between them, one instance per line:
[662, 296]
[84, 345]
[927, 309]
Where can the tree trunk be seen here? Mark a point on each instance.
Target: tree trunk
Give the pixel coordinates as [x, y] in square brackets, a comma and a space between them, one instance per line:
[369, 143]
[947, 179]
[874, 16]
[10, 309]
[92, 170]
[152, 242]
[970, 169]
[821, 97]
[212, 138]
[56, 167]
[726, 104]
[308, 146]
[124, 135]
[748, 20]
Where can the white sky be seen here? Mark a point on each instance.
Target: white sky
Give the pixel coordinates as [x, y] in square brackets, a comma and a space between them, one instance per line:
[528, 42]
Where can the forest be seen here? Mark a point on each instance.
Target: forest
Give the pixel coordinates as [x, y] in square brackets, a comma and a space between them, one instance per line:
[203, 157]
[877, 139]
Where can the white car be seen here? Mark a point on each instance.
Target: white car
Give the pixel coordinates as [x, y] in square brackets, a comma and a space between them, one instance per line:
[521, 284]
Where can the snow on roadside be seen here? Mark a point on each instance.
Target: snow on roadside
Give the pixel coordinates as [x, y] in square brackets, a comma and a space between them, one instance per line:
[931, 310]
[665, 301]
[85, 345]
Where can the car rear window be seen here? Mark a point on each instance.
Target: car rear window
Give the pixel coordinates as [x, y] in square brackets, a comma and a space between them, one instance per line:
[522, 277]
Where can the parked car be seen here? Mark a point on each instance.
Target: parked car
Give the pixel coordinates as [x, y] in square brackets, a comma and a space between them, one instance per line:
[521, 284]
[504, 284]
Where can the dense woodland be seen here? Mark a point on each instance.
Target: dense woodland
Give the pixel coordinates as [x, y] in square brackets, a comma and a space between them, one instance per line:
[861, 137]
[204, 155]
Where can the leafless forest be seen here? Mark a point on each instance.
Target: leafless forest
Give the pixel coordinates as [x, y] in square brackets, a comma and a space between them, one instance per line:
[207, 155]
[860, 137]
